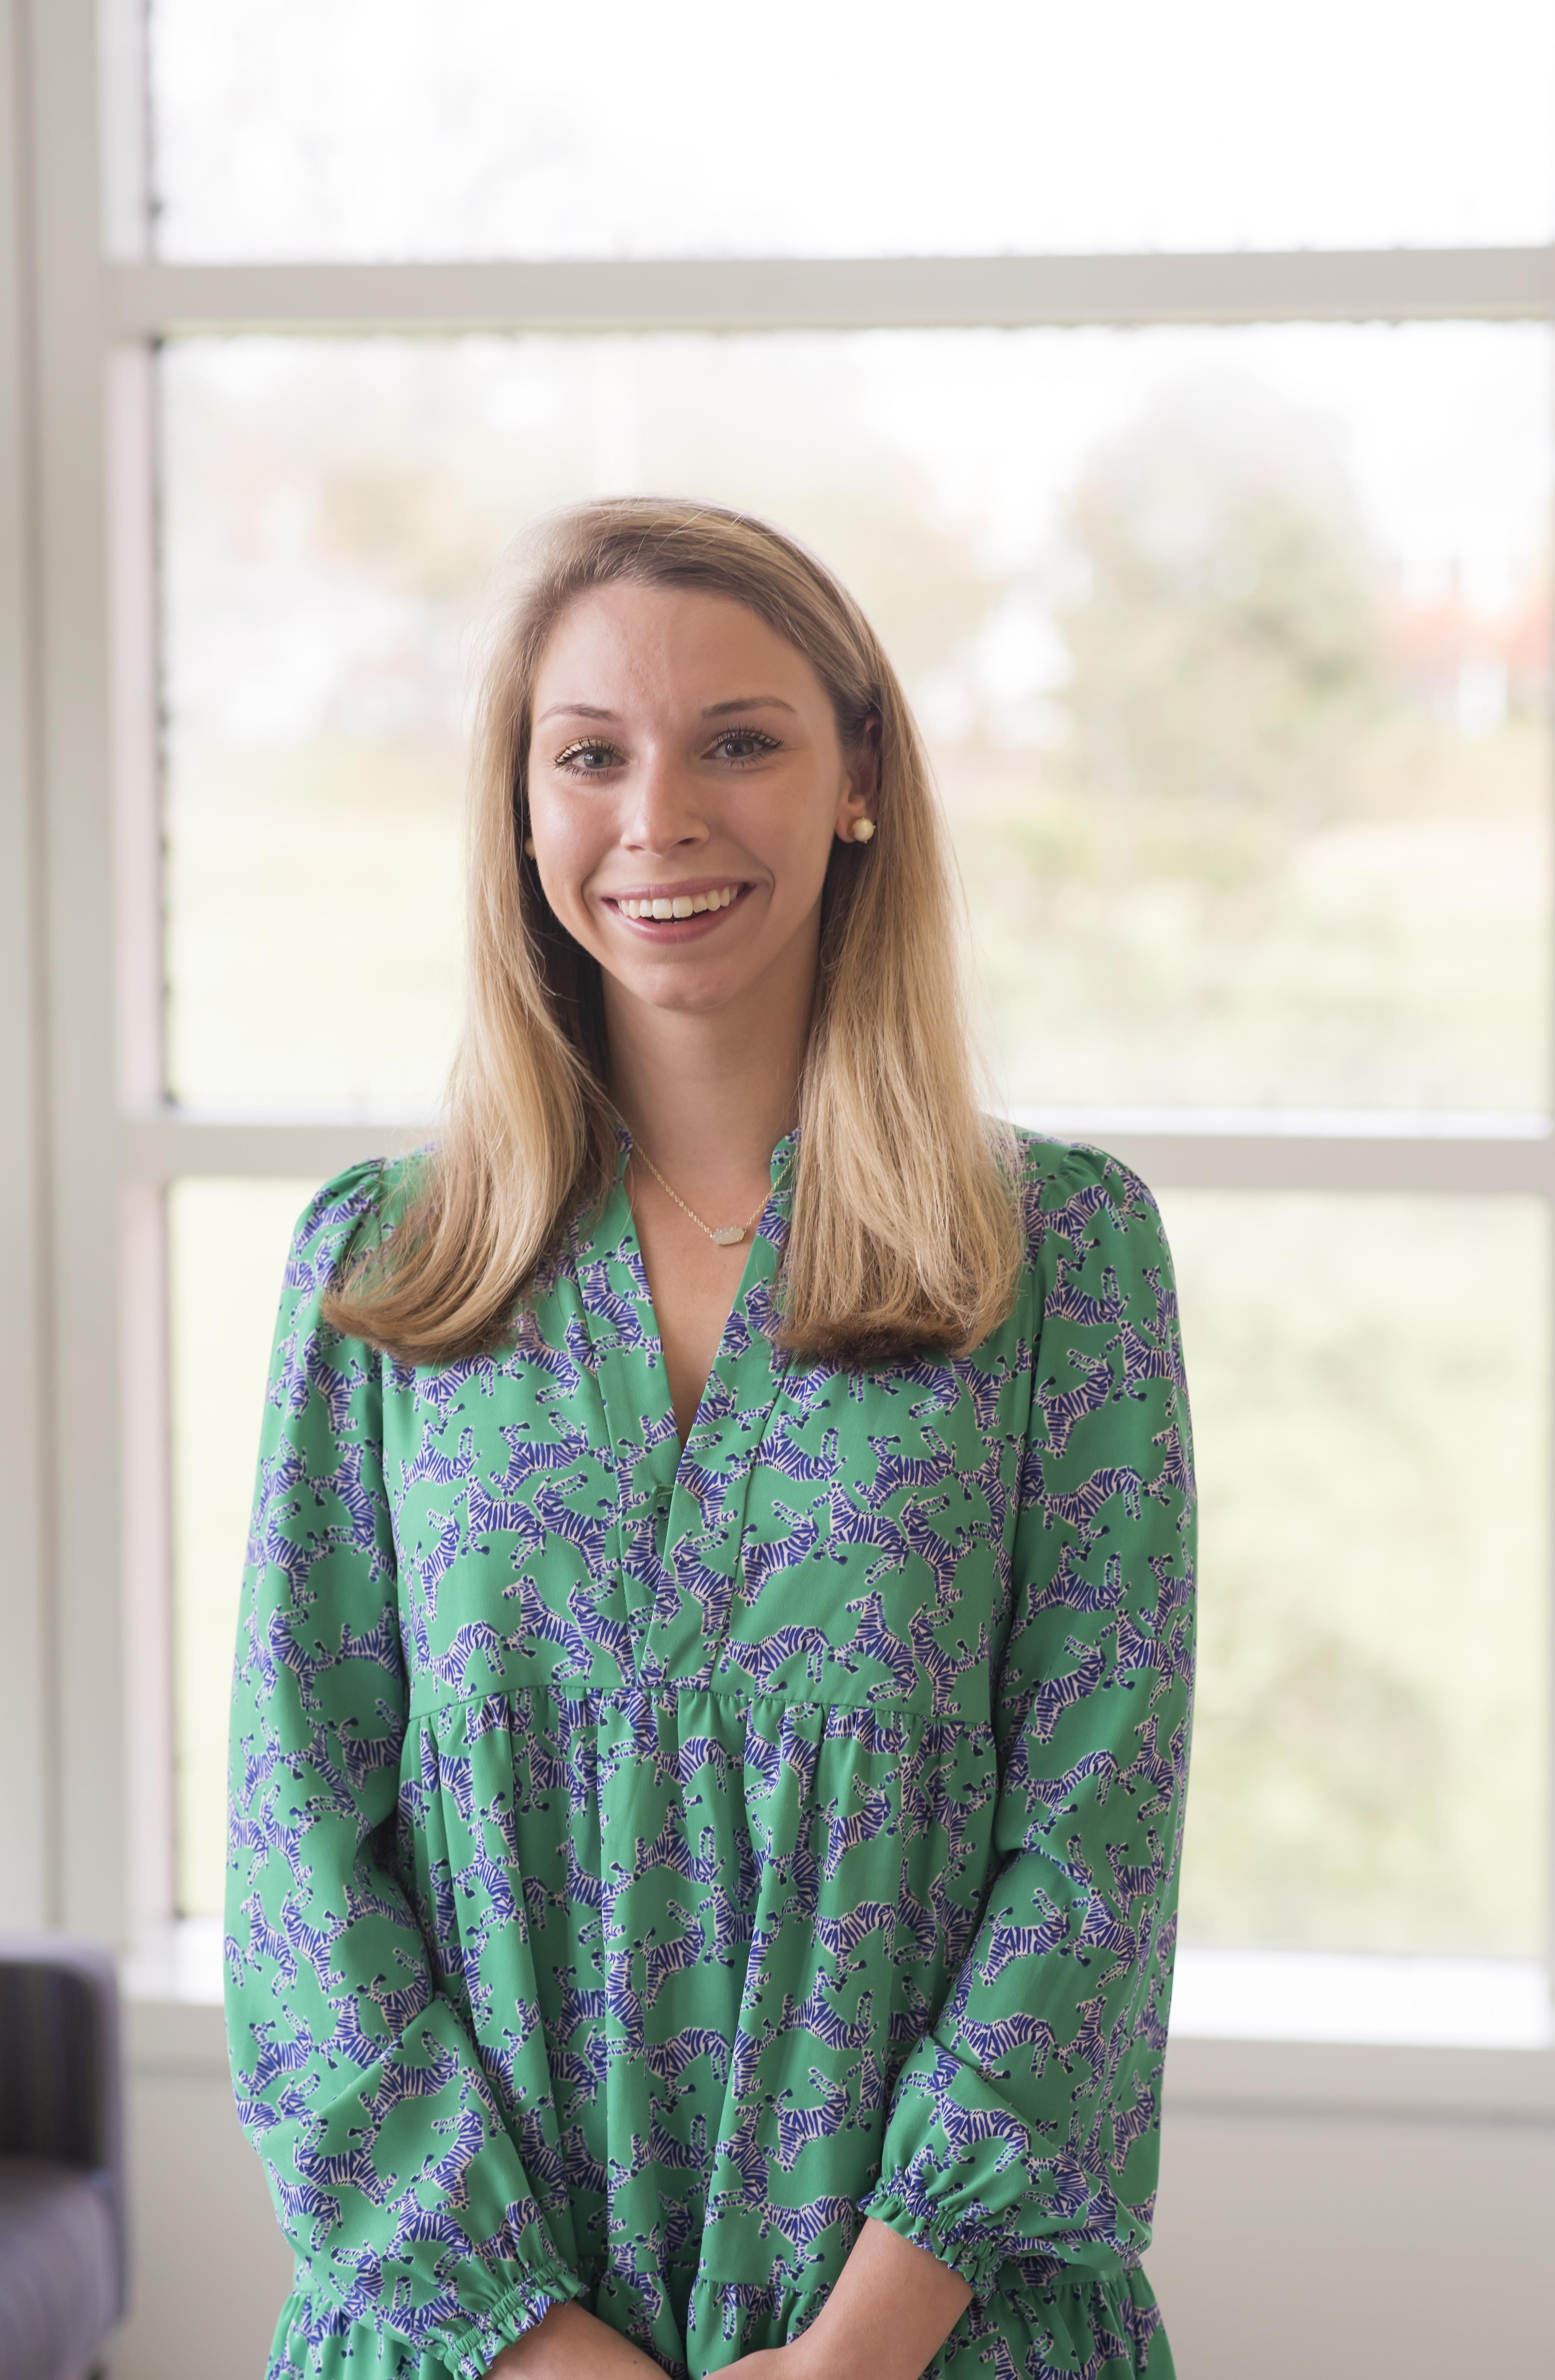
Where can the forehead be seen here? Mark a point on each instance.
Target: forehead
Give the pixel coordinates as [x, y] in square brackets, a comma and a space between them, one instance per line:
[667, 649]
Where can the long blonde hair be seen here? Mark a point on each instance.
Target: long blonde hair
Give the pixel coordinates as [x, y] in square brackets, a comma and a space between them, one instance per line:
[904, 1235]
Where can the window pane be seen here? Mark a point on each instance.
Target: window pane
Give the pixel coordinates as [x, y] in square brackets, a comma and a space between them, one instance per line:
[375, 128]
[227, 1245]
[1370, 1382]
[1230, 646]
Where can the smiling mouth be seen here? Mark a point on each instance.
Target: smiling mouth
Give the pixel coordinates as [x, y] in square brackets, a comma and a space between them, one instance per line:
[665, 908]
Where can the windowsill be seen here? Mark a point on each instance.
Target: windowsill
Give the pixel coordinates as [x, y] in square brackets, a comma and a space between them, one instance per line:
[1287, 2033]
[178, 1964]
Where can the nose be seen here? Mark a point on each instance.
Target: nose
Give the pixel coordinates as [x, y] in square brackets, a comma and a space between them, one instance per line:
[666, 811]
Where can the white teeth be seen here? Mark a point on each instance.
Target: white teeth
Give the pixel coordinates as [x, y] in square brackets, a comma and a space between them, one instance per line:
[683, 904]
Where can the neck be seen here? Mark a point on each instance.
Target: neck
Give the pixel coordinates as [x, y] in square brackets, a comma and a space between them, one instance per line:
[710, 1094]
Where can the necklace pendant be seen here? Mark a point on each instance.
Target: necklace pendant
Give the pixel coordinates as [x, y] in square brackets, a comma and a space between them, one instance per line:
[729, 1235]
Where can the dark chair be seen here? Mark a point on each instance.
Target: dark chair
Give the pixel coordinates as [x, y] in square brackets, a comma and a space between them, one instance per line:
[61, 2184]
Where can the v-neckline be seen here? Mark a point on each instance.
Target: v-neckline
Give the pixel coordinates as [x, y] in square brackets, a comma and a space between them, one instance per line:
[679, 1505]
[624, 1243]
[630, 1248]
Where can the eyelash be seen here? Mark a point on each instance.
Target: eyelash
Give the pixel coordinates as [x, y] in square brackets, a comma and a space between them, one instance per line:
[574, 751]
[747, 735]
[757, 735]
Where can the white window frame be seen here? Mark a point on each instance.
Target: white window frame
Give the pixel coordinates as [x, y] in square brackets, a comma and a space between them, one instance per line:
[93, 1143]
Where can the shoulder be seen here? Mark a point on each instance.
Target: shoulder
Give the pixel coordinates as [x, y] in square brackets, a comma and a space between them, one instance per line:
[350, 1214]
[1074, 1198]
[1063, 1184]
[1100, 1285]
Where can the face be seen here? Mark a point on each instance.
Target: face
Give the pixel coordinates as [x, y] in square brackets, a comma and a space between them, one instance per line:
[685, 789]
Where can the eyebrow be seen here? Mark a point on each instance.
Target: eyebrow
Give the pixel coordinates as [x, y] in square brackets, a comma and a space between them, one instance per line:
[714, 710]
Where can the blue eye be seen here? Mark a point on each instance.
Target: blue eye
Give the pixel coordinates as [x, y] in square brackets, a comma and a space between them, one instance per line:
[587, 760]
[752, 738]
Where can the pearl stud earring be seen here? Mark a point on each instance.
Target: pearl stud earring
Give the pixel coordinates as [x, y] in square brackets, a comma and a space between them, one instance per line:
[529, 844]
[863, 829]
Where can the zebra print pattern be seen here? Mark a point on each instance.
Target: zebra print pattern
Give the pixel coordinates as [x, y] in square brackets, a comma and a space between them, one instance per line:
[645, 1865]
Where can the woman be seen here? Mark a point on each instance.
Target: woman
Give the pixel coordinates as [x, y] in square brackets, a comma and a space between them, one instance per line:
[710, 1721]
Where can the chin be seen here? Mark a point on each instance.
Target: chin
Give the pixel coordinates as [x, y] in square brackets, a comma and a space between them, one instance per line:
[661, 990]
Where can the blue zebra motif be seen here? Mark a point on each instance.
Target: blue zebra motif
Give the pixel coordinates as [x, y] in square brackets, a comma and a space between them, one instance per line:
[644, 1865]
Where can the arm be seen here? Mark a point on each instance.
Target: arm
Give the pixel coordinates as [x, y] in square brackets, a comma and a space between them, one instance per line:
[396, 2177]
[894, 2306]
[1024, 2127]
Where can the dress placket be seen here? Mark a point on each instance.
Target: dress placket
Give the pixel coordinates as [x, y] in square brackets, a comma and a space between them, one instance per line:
[681, 1521]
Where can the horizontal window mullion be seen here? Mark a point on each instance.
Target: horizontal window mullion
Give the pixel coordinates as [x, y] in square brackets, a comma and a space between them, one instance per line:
[1219, 1148]
[173, 1147]
[169, 1148]
[838, 293]
[1210, 1160]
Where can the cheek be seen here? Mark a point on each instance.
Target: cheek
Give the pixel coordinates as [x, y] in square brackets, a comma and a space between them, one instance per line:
[799, 843]
[572, 836]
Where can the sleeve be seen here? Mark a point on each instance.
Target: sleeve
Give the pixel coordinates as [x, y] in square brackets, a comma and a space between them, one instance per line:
[393, 2175]
[1025, 2123]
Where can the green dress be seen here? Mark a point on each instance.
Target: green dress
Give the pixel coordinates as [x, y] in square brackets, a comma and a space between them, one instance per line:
[646, 1864]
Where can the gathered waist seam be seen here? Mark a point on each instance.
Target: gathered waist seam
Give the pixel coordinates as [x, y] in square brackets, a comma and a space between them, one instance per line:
[675, 1689]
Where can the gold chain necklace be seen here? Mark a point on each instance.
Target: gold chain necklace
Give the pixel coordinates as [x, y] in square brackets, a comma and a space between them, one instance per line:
[726, 1235]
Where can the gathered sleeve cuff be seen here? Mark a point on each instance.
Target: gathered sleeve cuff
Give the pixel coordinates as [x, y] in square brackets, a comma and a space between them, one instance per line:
[958, 2237]
[472, 2344]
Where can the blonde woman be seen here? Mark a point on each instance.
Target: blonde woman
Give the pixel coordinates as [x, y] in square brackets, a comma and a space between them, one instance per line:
[711, 1711]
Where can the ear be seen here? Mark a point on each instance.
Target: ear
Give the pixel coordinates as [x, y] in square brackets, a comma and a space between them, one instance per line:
[862, 783]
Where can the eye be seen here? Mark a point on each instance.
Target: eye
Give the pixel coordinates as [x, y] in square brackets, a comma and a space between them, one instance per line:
[744, 743]
[589, 759]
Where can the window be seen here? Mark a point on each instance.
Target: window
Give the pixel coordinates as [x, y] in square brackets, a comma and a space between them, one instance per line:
[1237, 697]
[371, 131]
[1205, 502]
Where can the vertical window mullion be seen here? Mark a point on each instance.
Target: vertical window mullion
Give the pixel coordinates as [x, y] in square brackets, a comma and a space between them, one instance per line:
[128, 383]
[145, 1443]
[145, 1410]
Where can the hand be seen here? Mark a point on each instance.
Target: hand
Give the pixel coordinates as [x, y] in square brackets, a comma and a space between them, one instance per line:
[570, 2344]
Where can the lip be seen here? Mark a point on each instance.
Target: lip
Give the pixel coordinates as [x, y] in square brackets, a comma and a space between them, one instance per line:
[664, 930]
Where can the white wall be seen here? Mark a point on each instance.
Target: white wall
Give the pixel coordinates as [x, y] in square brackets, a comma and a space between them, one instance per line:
[1356, 2249]
[1356, 2214]
[209, 2267]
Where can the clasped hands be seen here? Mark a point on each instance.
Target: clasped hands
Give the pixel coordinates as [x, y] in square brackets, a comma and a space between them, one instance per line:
[572, 2345]
[892, 2305]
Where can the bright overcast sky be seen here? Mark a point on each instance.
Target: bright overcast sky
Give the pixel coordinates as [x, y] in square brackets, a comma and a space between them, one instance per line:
[399, 127]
